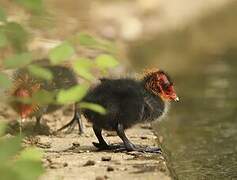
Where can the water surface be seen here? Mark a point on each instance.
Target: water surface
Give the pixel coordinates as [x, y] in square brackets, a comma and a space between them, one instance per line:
[200, 133]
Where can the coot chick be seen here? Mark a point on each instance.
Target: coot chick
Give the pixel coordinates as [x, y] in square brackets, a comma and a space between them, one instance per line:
[25, 85]
[129, 102]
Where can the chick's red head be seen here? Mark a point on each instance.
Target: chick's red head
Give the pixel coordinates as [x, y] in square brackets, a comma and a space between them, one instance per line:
[23, 90]
[24, 110]
[159, 83]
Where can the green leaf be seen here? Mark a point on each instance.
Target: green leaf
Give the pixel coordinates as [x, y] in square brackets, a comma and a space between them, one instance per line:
[8, 174]
[9, 147]
[106, 61]
[40, 72]
[82, 67]
[18, 60]
[5, 82]
[94, 107]
[61, 53]
[28, 169]
[16, 35]
[3, 39]
[2, 127]
[84, 63]
[73, 94]
[43, 97]
[85, 74]
[24, 100]
[17, 164]
[32, 154]
[3, 16]
[93, 42]
[87, 40]
[33, 5]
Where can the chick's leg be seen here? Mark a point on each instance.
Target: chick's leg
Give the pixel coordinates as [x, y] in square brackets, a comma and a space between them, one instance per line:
[130, 146]
[37, 124]
[76, 120]
[102, 145]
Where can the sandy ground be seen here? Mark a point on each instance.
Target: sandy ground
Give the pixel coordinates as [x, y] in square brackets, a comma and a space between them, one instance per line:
[71, 156]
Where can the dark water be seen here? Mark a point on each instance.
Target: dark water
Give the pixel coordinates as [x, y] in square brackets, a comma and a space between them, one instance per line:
[200, 133]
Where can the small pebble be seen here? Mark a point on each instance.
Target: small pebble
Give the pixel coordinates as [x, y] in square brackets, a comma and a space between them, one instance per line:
[110, 168]
[45, 145]
[55, 165]
[65, 164]
[89, 163]
[57, 156]
[144, 137]
[49, 160]
[106, 158]
[117, 163]
[99, 178]
[124, 169]
[76, 144]
[80, 151]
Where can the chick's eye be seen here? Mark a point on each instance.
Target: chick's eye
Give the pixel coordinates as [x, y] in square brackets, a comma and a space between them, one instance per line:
[169, 90]
[166, 87]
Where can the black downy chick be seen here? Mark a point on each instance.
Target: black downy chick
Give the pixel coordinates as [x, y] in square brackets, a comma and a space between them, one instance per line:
[25, 85]
[129, 102]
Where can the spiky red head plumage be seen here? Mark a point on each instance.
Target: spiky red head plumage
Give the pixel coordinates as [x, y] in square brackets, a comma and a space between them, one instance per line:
[24, 87]
[159, 83]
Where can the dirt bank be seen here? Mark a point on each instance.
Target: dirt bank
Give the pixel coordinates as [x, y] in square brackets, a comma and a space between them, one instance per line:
[70, 156]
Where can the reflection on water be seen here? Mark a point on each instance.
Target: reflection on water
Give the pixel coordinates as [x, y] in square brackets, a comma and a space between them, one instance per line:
[201, 132]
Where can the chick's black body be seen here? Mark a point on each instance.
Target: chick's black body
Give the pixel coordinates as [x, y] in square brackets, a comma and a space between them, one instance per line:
[63, 78]
[127, 103]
